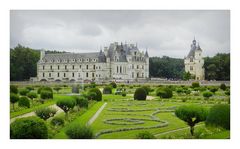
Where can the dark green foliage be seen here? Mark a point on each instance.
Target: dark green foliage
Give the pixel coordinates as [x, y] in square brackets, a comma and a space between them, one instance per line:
[44, 88]
[30, 88]
[164, 92]
[66, 104]
[28, 128]
[98, 96]
[223, 86]
[179, 90]
[45, 94]
[170, 67]
[76, 131]
[145, 135]
[227, 92]
[195, 84]
[113, 84]
[187, 91]
[13, 89]
[147, 89]
[24, 102]
[32, 95]
[107, 90]
[13, 98]
[217, 67]
[75, 89]
[23, 63]
[191, 114]
[187, 76]
[92, 85]
[57, 121]
[124, 94]
[45, 113]
[219, 115]
[81, 102]
[23, 92]
[207, 94]
[140, 94]
[213, 89]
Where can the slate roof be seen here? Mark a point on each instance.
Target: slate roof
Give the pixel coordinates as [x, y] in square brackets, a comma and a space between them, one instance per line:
[194, 48]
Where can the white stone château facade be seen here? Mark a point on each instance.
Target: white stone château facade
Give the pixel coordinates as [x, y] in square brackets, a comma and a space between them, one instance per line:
[116, 62]
[194, 62]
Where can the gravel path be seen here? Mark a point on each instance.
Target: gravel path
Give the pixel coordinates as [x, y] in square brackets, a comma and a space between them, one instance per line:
[166, 132]
[96, 114]
[59, 110]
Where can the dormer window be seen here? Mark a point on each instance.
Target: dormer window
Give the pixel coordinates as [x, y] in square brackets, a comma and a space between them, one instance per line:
[191, 59]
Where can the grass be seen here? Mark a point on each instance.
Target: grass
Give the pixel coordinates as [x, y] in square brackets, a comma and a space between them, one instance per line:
[81, 120]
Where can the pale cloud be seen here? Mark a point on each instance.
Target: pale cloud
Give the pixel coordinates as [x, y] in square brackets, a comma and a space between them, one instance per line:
[161, 32]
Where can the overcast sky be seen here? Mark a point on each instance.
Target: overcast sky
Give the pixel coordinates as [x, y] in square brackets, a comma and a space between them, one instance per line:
[167, 33]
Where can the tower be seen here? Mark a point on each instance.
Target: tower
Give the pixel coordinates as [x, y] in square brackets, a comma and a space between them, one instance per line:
[194, 61]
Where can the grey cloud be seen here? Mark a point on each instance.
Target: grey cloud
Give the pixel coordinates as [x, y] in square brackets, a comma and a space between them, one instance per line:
[162, 32]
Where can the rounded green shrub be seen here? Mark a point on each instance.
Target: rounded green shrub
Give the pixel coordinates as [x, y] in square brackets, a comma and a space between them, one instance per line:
[145, 135]
[207, 94]
[227, 92]
[191, 114]
[30, 88]
[81, 102]
[46, 88]
[32, 95]
[98, 96]
[24, 102]
[75, 131]
[45, 113]
[57, 121]
[147, 89]
[195, 84]
[223, 86]
[164, 92]
[107, 90]
[140, 94]
[113, 84]
[66, 104]
[179, 90]
[28, 128]
[14, 98]
[45, 94]
[124, 94]
[13, 89]
[213, 89]
[219, 115]
[23, 92]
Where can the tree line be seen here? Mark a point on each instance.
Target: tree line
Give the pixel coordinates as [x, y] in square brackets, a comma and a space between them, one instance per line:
[23, 65]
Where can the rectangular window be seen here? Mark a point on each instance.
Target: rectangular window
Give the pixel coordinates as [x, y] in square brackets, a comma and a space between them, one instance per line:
[65, 66]
[93, 75]
[49, 74]
[93, 66]
[87, 74]
[132, 74]
[80, 66]
[79, 75]
[73, 67]
[43, 74]
[99, 67]
[58, 67]
[51, 67]
[191, 67]
[86, 66]
[73, 74]
[43, 67]
[132, 66]
[58, 74]
[191, 59]
[64, 74]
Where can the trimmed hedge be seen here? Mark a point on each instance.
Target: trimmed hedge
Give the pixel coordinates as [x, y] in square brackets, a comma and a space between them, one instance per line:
[223, 86]
[79, 132]
[46, 94]
[98, 94]
[207, 94]
[113, 84]
[66, 104]
[23, 92]
[13, 89]
[46, 88]
[219, 115]
[145, 135]
[164, 92]
[46, 113]
[14, 98]
[107, 90]
[32, 95]
[195, 84]
[140, 94]
[28, 128]
[24, 102]
[57, 121]
[81, 102]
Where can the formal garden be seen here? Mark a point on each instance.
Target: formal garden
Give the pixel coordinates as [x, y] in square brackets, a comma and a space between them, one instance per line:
[119, 111]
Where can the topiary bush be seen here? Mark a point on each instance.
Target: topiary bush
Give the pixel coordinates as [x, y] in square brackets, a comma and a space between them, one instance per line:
[28, 128]
[57, 121]
[66, 105]
[23, 92]
[98, 96]
[219, 115]
[13, 89]
[45, 94]
[164, 92]
[107, 90]
[113, 84]
[46, 113]
[223, 86]
[24, 102]
[213, 89]
[46, 88]
[124, 94]
[81, 102]
[140, 94]
[57, 88]
[191, 114]
[145, 135]
[75, 131]
[30, 88]
[195, 84]
[147, 89]
[13, 99]
[227, 92]
[32, 95]
[207, 94]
